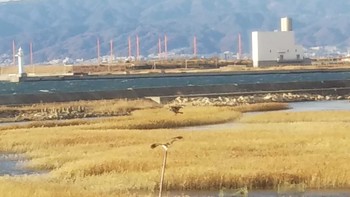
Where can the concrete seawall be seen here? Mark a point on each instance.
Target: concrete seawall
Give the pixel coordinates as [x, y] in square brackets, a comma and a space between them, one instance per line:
[133, 75]
[340, 88]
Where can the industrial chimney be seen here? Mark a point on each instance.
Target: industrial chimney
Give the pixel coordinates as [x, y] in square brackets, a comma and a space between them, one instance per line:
[286, 24]
[20, 62]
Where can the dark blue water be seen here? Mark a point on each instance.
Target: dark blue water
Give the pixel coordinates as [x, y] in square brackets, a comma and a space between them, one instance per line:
[120, 84]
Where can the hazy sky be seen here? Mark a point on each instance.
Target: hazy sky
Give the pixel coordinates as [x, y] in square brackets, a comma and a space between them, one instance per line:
[8, 0]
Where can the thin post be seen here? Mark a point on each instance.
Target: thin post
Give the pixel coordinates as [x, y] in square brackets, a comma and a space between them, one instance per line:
[14, 52]
[163, 172]
[195, 46]
[98, 51]
[165, 147]
[239, 46]
[31, 57]
[159, 48]
[137, 47]
[166, 46]
[129, 46]
[31, 53]
[110, 55]
[111, 49]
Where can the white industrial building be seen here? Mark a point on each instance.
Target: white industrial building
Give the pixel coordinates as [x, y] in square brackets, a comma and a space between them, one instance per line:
[278, 47]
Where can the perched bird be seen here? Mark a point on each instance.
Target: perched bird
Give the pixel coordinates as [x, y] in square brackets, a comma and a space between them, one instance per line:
[166, 145]
[176, 109]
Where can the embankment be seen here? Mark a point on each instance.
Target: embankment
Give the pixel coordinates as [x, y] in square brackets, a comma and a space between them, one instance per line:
[165, 94]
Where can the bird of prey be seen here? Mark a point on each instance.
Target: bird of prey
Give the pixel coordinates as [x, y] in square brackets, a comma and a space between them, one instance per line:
[166, 145]
[176, 109]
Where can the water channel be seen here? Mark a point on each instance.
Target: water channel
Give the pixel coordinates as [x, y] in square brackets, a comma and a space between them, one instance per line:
[156, 82]
[13, 165]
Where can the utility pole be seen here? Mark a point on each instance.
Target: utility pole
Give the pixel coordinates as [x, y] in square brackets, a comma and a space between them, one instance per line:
[13, 52]
[98, 51]
[159, 49]
[129, 47]
[239, 55]
[137, 47]
[195, 46]
[166, 47]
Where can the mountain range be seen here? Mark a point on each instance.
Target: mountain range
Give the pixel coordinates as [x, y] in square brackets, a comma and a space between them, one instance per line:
[70, 28]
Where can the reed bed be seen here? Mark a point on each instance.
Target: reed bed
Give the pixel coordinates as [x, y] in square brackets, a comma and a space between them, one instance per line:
[151, 118]
[104, 160]
[28, 188]
[71, 110]
[261, 107]
[97, 105]
[163, 118]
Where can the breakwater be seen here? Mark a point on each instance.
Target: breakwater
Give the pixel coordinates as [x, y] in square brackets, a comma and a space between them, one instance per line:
[179, 74]
[257, 98]
[166, 94]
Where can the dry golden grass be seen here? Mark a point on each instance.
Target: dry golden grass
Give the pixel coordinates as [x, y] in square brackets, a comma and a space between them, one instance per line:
[29, 188]
[39, 69]
[102, 106]
[261, 107]
[164, 118]
[103, 69]
[97, 108]
[105, 161]
[151, 118]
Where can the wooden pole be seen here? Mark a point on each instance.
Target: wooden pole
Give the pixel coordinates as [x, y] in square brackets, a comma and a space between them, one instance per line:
[163, 172]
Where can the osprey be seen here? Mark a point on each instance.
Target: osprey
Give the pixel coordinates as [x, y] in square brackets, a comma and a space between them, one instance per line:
[176, 109]
[166, 145]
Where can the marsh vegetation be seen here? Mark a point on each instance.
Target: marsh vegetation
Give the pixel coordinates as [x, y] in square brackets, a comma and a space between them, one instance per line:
[111, 157]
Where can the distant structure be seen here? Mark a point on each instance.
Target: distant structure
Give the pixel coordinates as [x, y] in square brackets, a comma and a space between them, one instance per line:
[166, 47]
[137, 47]
[98, 51]
[195, 46]
[159, 48]
[20, 56]
[239, 54]
[278, 47]
[286, 24]
[14, 52]
[31, 53]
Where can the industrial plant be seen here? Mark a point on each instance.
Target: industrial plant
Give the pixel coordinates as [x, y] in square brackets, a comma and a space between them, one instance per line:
[277, 47]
